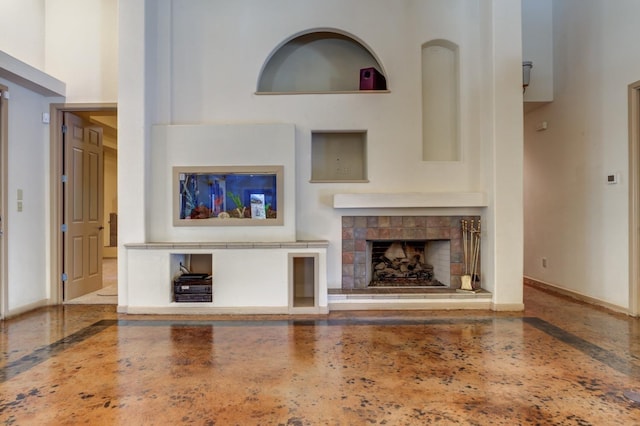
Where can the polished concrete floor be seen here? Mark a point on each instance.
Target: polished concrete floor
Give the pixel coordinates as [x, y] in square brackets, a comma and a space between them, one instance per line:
[558, 363]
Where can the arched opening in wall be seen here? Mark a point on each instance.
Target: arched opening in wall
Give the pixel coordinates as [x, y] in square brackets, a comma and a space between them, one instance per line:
[317, 61]
[440, 101]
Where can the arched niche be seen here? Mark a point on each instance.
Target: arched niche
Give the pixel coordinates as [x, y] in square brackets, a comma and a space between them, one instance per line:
[315, 61]
[440, 101]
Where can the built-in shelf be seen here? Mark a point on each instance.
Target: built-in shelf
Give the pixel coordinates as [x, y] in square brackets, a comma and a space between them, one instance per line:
[303, 280]
[402, 200]
[191, 291]
[339, 156]
[317, 61]
[259, 277]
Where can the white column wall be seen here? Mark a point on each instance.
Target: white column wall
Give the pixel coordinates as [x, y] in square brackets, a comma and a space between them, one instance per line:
[133, 133]
[504, 227]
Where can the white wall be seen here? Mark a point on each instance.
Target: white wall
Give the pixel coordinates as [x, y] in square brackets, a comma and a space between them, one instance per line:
[197, 61]
[26, 230]
[572, 217]
[75, 41]
[202, 63]
[81, 48]
[22, 25]
[78, 47]
[226, 145]
[537, 47]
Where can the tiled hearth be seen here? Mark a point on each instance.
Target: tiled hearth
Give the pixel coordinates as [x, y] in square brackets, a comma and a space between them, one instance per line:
[357, 231]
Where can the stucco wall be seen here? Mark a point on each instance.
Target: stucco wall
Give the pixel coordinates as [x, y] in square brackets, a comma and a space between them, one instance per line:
[203, 60]
[573, 218]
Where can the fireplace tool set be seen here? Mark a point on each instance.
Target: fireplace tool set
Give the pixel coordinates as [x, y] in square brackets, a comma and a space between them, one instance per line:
[471, 251]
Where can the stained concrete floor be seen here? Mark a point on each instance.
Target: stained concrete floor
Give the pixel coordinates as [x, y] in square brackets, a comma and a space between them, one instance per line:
[558, 363]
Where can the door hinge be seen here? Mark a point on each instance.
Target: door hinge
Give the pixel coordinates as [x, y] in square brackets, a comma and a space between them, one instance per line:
[63, 277]
[64, 128]
[63, 227]
[63, 178]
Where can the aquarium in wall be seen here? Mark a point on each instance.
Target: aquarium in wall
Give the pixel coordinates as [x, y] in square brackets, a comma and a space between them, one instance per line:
[228, 196]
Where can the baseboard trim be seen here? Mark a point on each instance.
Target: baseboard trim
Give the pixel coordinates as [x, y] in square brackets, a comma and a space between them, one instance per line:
[26, 308]
[380, 305]
[507, 307]
[554, 289]
[202, 310]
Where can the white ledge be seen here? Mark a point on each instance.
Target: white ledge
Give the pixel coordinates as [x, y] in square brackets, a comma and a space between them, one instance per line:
[301, 244]
[410, 199]
[29, 77]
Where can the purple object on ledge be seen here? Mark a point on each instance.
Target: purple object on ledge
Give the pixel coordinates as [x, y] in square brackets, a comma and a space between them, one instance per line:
[372, 79]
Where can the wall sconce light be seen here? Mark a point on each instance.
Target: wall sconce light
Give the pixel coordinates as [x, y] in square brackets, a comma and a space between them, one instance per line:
[526, 74]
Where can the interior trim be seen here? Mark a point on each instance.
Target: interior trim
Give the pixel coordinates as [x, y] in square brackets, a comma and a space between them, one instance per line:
[4, 144]
[56, 161]
[634, 198]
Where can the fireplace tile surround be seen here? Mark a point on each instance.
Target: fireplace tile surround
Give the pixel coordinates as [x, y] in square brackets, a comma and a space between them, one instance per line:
[358, 230]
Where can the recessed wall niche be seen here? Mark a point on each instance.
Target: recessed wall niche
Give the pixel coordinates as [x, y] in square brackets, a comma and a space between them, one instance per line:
[303, 279]
[339, 156]
[440, 101]
[317, 62]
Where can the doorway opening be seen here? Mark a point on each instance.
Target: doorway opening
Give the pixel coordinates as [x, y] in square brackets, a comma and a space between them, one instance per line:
[634, 199]
[4, 120]
[84, 203]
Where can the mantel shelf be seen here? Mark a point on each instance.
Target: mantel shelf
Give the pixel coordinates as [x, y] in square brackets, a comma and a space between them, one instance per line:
[411, 199]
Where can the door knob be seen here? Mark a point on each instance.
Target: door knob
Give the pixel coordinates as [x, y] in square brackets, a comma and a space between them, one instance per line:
[100, 228]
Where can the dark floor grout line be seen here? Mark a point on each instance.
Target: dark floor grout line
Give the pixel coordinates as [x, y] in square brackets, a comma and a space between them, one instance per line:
[44, 353]
[592, 350]
[303, 322]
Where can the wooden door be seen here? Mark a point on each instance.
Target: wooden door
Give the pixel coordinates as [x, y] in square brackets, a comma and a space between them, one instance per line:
[83, 212]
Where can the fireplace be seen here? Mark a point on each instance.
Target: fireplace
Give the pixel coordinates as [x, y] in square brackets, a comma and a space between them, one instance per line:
[435, 240]
[408, 263]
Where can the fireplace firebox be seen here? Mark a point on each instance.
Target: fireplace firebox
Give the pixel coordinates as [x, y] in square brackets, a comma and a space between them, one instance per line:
[408, 263]
[402, 251]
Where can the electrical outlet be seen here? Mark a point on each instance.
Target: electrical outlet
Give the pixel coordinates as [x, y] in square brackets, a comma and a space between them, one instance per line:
[544, 262]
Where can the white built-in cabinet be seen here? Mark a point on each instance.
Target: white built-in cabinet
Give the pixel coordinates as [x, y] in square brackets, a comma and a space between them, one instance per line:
[247, 278]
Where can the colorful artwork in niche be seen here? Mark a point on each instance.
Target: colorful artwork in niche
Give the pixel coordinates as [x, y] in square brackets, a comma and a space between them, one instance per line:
[228, 195]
